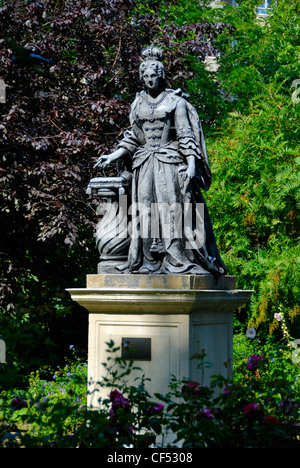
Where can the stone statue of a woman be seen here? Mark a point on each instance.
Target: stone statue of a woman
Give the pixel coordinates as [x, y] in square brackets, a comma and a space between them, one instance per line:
[171, 231]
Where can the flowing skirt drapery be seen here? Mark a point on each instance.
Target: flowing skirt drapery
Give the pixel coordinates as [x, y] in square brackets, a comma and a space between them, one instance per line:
[163, 238]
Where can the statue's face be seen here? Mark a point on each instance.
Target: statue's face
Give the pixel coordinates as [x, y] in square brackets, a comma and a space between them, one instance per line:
[151, 79]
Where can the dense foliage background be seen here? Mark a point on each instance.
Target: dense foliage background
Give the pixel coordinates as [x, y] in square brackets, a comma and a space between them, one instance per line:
[54, 125]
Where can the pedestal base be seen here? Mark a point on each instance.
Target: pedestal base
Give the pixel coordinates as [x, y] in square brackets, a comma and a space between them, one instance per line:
[165, 320]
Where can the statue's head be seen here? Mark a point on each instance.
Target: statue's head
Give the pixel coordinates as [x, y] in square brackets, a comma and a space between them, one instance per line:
[152, 57]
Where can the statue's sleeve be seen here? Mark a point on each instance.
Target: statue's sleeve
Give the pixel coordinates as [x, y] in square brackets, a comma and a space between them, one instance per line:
[130, 142]
[133, 138]
[187, 142]
[191, 140]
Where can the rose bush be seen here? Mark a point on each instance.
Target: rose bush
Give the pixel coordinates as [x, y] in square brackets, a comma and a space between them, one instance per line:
[255, 410]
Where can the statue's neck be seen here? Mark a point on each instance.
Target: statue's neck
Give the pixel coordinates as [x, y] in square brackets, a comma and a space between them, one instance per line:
[154, 94]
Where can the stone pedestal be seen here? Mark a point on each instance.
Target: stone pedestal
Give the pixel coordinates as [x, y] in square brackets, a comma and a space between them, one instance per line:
[165, 320]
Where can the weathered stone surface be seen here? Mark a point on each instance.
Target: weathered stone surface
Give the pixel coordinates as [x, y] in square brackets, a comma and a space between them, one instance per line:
[160, 281]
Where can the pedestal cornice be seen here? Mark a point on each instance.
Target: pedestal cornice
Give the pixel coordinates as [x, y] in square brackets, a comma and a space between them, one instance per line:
[161, 294]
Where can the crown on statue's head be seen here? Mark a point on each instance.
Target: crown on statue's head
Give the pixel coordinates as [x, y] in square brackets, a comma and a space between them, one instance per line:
[153, 52]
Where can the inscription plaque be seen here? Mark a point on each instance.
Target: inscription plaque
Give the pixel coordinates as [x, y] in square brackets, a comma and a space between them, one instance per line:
[136, 349]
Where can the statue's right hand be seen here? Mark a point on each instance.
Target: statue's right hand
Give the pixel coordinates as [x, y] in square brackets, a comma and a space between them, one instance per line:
[103, 161]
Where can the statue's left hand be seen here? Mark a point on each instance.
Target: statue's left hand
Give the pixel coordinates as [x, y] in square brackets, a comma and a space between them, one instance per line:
[190, 172]
[188, 176]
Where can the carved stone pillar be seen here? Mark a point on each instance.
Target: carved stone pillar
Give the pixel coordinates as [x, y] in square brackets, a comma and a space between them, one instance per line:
[112, 231]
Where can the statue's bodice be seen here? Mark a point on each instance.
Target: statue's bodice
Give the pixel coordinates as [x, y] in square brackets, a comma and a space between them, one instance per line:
[156, 121]
[157, 130]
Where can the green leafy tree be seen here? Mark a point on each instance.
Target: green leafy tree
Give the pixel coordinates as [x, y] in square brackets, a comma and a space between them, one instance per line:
[255, 159]
[260, 51]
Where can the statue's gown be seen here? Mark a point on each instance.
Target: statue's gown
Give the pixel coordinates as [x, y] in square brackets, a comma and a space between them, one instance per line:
[171, 231]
